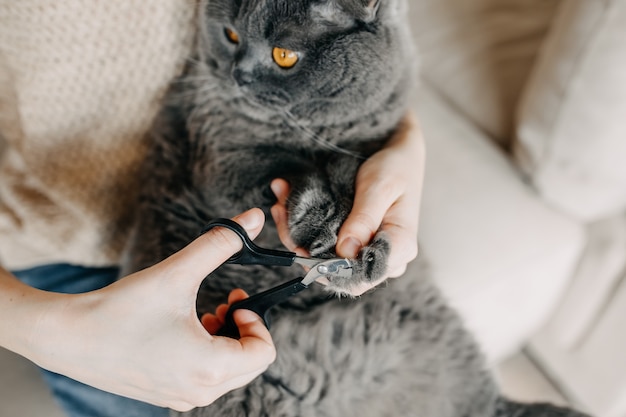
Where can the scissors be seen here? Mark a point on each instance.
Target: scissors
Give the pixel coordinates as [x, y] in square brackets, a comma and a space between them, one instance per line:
[251, 254]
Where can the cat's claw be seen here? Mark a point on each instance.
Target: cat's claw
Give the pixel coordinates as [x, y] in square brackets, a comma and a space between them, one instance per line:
[368, 269]
[315, 217]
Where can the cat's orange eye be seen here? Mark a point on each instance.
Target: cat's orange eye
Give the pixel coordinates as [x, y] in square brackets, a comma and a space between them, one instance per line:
[231, 35]
[284, 58]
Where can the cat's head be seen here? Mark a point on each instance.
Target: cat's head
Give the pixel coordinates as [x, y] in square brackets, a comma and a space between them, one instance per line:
[301, 55]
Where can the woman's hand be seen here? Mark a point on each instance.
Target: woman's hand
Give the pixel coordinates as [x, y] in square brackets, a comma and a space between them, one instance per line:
[141, 337]
[388, 194]
[214, 322]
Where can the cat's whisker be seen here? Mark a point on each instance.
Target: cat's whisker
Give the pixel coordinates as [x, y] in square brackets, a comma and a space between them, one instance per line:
[193, 80]
[198, 92]
[315, 138]
[194, 61]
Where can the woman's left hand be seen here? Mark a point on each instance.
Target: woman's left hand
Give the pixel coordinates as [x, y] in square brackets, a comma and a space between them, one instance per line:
[387, 198]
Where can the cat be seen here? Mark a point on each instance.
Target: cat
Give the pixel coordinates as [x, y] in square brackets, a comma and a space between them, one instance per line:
[306, 90]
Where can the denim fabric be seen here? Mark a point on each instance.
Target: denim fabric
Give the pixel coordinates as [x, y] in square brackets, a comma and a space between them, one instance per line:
[78, 399]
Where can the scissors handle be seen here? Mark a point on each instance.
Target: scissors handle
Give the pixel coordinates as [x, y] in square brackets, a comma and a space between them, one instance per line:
[260, 303]
[251, 254]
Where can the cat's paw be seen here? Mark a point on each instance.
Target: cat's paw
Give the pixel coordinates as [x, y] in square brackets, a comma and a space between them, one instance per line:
[314, 221]
[315, 216]
[368, 269]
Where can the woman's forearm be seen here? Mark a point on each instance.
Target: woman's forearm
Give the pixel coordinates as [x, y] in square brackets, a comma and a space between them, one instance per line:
[24, 312]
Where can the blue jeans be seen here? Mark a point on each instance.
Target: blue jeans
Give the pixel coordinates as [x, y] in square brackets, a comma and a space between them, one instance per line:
[78, 399]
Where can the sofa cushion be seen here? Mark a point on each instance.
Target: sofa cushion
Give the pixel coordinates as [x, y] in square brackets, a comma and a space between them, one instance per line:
[478, 53]
[571, 137]
[497, 251]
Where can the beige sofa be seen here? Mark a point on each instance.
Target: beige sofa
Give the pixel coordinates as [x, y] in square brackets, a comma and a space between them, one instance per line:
[524, 110]
[523, 214]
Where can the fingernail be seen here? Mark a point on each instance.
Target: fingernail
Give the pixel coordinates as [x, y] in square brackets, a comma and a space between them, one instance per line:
[350, 247]
[246, 317]
[250, 219]
[276, 187]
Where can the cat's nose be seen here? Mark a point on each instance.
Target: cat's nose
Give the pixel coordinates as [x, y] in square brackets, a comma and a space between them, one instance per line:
[242, 77]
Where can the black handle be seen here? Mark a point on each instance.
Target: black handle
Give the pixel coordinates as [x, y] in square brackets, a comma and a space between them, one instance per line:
[260, 303]
[251, 254]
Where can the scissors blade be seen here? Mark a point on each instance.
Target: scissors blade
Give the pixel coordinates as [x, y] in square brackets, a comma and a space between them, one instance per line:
[335, 267]
[308, 262]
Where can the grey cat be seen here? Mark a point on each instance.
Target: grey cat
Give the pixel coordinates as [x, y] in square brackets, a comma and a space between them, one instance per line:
[306, 90]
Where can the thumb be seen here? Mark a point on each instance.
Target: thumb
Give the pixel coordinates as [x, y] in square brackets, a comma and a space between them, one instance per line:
[209, 251]
[364, 220]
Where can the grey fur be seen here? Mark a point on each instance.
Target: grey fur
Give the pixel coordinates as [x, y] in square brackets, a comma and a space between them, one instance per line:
[234, 122]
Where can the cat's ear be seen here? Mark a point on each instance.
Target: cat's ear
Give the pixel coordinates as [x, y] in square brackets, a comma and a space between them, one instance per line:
[371, 9]
[345, 12]
[364, 10]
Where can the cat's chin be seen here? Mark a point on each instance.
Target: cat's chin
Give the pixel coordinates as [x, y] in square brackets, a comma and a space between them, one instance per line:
[258, 109]
[268, 101]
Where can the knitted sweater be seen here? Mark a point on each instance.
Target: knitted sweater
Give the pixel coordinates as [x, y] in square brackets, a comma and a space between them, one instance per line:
[80, 83]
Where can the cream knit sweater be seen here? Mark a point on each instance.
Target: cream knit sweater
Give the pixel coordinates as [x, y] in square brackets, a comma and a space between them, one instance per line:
[80, 82]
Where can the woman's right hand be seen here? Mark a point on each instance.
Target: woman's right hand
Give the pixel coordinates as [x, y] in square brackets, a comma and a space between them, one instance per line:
[140, 337]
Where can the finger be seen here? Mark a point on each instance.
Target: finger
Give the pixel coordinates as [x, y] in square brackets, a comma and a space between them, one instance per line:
[254, 336]
[210, 250]
[279, 214]
[253, 352]
[221, 311]
[233, 297]
[281, 190]
[401, 226]
[371, 202]
[397, 272]
[403, 242]
[237, 295]
[211, 323]
[281, 217]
